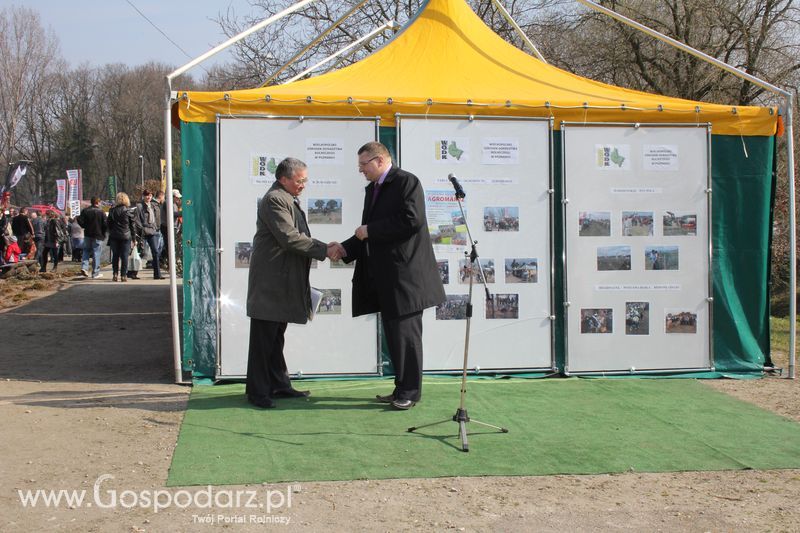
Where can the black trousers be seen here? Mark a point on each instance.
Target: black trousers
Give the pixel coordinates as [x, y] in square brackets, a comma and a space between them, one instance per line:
[404, 340]
[266, 366]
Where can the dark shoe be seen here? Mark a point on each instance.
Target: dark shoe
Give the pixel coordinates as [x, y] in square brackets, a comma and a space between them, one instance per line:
[403, 405]
[290, 393]
[123, 279]
[159, 277]
[115, 277]
[261, 403]
[389, 398]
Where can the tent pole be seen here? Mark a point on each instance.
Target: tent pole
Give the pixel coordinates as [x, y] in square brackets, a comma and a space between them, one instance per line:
[312, 43]
[792, 236]
[519, 31]
[788, 98]
[363, 40]
[173, 281]
[236, 38]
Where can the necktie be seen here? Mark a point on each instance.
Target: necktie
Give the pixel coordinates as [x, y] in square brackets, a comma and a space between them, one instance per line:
[375, 193]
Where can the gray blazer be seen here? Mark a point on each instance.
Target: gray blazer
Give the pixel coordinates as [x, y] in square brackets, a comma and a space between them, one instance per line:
[278, 288]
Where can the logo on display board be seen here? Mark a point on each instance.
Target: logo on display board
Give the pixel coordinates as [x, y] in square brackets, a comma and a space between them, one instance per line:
[263, 167]
[613, 157]
[455, 150]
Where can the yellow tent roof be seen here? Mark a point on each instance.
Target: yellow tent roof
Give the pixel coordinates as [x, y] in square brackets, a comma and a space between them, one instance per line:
[447, 61]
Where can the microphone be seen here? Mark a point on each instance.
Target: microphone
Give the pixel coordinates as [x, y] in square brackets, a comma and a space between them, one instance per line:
[457, 186]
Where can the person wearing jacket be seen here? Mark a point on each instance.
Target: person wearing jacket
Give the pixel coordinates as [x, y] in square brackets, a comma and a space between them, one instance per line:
[55, 237]
[12, 251]
[149, 219]
[278, 288]
[94, 224]
[396, 272]
[121, 233]
[39, 225]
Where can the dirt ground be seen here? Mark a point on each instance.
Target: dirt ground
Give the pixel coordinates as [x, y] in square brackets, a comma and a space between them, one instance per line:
[78, 408]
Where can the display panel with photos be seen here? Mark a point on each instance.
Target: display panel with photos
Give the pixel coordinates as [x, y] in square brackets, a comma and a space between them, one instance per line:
[250, 150]
[636, 229]
[503, 166]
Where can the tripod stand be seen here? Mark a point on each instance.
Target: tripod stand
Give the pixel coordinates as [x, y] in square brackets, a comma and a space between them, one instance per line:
[461, 417]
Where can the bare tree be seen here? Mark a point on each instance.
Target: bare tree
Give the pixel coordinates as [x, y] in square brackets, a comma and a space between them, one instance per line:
[761, 37]
[28, 57]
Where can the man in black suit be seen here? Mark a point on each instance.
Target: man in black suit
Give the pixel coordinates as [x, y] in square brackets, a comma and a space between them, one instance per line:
[396, 272]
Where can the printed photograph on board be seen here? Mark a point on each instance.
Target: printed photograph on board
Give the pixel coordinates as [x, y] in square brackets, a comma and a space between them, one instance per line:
[503, 306]
[613, 258]
[242, 250]
[637, 223]
[661, 258]
[454, 308]
[443, 266]
[341, 264]
[678, 223]
[463, 271]
[331, 302]
[597, 320]
[680, 321]
[324, 210]
[501, 218]
[594, 224]
[637, 318]
[522, 270]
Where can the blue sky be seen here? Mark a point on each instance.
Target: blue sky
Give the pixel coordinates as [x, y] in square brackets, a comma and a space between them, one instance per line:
[111, 31]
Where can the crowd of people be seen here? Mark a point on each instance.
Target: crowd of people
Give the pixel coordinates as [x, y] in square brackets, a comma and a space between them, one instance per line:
[50, 237]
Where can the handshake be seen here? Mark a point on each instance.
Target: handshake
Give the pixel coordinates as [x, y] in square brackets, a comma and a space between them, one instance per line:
[335, 251]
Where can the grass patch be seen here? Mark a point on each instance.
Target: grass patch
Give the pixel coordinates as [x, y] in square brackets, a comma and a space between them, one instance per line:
[779, 340]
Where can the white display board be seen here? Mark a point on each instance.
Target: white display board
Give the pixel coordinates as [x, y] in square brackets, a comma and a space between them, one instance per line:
[503, 165]
[637, 248]
[249, 150]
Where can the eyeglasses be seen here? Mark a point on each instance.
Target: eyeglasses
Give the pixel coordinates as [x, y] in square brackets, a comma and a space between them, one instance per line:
[365, 163]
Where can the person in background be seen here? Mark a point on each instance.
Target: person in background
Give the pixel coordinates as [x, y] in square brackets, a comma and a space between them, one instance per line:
[148, 218]
[162, 217]
[76, 238]
[28, 247]
[12, 251]
[121, 233]
[54, 239]
[95, 226]
[5, 230]
[21, 224]
[39, 225]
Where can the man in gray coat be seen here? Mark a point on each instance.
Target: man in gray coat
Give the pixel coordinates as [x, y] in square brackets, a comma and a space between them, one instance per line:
[278, 289]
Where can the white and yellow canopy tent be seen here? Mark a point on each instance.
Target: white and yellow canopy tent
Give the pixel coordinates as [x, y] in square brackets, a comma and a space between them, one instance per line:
[446, 61]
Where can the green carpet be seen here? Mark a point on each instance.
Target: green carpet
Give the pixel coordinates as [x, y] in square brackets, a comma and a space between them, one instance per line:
[557, 426]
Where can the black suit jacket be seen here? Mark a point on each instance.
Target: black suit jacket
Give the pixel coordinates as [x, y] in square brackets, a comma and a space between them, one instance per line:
[396, 271]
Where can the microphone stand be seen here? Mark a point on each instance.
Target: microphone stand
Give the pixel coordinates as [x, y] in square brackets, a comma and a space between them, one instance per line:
[462, 417]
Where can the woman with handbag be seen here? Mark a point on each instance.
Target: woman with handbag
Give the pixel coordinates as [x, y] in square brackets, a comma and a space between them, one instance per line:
[121, 232]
